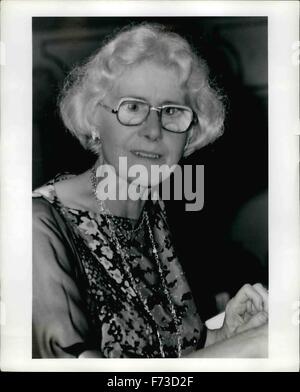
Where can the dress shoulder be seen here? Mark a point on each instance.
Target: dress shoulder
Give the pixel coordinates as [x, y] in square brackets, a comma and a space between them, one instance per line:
[60, 323]
[42, 208]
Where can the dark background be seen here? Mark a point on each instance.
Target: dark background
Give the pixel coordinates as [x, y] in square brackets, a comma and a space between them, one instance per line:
[225, 244]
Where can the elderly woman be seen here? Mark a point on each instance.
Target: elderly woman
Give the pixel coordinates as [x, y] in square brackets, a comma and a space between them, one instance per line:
[106, 281]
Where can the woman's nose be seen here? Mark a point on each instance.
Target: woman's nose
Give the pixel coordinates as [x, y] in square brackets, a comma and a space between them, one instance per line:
[151, 128]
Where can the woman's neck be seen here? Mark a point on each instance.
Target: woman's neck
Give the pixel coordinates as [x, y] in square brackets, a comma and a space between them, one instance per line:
[77, 192]
[125, 208]
[117, 193]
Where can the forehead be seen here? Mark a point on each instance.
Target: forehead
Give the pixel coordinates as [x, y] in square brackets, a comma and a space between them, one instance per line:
[152, 82]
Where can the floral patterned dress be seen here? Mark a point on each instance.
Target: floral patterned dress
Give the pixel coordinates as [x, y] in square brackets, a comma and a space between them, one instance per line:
[83, 298]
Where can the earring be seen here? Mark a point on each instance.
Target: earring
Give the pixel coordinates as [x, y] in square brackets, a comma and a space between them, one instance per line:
[95, 136]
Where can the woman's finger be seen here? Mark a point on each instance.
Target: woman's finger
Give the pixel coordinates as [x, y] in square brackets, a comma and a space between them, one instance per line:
[249, 307]
[247, 292]
[264, 293]
[257, 320]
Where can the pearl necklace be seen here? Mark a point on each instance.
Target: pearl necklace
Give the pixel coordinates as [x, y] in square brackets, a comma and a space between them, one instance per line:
[113, 231]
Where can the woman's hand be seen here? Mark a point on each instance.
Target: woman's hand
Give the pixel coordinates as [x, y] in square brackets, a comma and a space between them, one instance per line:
[248, 309]
[252, 343]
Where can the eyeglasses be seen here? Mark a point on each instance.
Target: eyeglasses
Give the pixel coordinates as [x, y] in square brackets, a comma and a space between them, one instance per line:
[134, 111]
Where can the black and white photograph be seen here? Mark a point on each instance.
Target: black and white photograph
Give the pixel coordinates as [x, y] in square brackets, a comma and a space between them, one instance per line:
[153, 189]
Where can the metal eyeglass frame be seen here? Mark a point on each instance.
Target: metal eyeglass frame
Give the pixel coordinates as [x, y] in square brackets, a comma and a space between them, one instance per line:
[158, 109]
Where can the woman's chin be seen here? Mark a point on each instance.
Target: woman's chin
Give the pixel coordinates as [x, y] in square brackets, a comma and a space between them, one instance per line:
[149, 182]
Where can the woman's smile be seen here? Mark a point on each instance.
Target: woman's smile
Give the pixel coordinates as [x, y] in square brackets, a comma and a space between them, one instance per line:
[146, 155]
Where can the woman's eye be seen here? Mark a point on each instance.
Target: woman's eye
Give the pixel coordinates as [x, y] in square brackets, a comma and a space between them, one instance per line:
[133, 106]
[170, 111]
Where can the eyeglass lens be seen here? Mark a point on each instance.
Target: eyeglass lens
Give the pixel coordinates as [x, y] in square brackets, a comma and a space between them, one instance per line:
[175, 119]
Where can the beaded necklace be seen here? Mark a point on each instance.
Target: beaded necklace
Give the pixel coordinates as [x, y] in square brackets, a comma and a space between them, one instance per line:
[113, 232]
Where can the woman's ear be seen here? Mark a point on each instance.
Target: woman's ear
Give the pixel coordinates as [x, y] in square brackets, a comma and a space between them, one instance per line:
[187, 148]
[93, 117]
[188, 151]
[196, 140]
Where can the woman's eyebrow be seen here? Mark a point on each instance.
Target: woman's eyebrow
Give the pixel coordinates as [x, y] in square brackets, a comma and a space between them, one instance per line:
[134, 97]
[166, 102]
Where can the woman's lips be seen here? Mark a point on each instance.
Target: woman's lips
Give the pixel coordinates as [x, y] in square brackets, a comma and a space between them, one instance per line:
[146, 154]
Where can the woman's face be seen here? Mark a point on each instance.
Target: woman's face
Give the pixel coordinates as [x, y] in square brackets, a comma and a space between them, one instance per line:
[146, 144]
